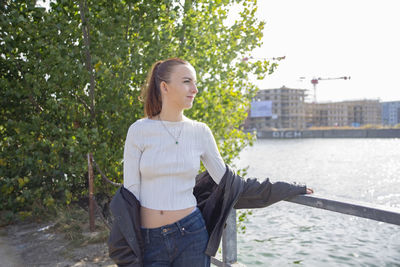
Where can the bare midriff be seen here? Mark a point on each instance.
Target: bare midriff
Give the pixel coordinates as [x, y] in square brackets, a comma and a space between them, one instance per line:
[151, 218]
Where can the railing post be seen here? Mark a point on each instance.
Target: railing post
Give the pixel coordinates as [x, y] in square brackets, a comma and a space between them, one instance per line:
[91, 204]
[229, 240]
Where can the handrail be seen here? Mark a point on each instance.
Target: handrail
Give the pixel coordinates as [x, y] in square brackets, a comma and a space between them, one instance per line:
[355, 208]
[359, 209]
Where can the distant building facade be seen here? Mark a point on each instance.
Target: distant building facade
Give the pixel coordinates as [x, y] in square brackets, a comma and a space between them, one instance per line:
[391, 113]
[327, 114]
[287, 109]
[345, 113]
[364, 112]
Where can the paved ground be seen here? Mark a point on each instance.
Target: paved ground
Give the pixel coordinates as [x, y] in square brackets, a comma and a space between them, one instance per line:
[8, 254]
[31, 244]
[36, 245]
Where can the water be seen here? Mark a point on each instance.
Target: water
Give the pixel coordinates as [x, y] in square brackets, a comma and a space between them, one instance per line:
[366, 170]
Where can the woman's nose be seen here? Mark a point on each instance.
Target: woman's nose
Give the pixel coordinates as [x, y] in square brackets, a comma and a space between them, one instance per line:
[194, 89]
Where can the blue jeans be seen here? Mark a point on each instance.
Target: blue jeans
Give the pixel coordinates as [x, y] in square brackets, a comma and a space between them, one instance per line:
[177, 244]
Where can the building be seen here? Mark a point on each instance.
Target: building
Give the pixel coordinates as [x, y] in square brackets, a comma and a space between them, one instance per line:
[391, 113]
[345, 113]
[283, 108]
[362, 112]
[327, 114]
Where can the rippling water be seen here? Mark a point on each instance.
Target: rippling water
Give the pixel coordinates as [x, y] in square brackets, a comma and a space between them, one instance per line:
[285, 233]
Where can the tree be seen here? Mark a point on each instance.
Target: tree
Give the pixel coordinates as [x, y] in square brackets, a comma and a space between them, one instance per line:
[51, 116]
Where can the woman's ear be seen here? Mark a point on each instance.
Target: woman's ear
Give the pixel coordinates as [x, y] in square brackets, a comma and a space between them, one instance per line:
[163, 86]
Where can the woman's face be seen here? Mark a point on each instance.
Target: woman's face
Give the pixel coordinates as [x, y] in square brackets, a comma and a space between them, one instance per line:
[181, 89]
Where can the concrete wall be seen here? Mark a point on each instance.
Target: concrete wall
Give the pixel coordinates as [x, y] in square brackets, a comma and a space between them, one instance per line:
[356, 133]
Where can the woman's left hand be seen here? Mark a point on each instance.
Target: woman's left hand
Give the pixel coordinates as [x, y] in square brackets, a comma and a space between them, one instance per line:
[309, 191]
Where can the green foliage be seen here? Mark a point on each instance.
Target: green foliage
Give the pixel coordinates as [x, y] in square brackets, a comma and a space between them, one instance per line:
[47, 125]
[241, 219]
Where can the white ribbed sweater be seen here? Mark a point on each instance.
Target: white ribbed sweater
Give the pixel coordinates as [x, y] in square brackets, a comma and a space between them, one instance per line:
[160, 173]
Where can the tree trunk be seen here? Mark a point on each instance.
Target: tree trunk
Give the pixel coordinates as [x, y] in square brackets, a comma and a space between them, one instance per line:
[89, 67]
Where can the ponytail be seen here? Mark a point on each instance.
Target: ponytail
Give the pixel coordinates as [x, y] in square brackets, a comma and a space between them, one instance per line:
[151, 92]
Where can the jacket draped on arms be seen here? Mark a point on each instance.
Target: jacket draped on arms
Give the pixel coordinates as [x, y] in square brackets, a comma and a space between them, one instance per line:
[215, 201]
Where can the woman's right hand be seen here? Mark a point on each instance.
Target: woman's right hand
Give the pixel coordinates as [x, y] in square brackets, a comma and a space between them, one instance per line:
[309, 191]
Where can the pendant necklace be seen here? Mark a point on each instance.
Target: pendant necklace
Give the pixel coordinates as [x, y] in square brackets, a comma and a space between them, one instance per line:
[176, 139]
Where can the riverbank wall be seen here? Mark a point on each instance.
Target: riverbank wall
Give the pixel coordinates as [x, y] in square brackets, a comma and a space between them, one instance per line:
[333, 133]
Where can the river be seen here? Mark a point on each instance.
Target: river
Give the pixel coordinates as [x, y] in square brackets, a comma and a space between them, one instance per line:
[284, 233]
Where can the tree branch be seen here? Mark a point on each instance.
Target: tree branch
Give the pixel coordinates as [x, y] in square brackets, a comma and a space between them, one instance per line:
[103, 175]
[186, 8]
[83, 102]
[89, 67]
[33, 101]
[129, 22]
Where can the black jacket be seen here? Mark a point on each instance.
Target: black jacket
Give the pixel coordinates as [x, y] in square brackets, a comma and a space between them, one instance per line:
[214, 201]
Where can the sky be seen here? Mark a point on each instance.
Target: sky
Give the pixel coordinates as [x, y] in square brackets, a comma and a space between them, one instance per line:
[359, 39]
[330, 39]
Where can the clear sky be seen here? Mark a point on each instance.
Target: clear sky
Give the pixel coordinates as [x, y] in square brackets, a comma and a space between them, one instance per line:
[334, 38]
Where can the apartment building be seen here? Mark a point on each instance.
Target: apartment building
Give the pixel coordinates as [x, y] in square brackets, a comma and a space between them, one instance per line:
[327, 114]
[391, 113]
[364, 112]
[286, 109]
[345, 113]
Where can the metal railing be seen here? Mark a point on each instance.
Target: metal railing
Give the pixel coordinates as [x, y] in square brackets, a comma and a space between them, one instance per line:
[355, 208]
[229, 237]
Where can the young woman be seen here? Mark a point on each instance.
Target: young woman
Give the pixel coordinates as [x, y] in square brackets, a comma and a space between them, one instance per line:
[162, 157]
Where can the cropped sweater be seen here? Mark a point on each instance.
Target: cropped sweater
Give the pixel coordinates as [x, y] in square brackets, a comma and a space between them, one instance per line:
[160, 173]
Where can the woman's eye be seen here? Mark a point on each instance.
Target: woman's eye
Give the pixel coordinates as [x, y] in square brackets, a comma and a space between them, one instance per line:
[187, 81]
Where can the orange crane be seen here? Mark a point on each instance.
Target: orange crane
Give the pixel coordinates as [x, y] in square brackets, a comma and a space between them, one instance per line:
[314, 82]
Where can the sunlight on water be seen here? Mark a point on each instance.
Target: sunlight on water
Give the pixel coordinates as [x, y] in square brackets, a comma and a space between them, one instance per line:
[285, 233]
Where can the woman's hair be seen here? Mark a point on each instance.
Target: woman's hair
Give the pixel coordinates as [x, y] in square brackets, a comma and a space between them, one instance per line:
[151, 93]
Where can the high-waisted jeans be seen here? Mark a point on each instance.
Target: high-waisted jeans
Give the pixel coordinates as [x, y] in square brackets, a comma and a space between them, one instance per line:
[178, 244]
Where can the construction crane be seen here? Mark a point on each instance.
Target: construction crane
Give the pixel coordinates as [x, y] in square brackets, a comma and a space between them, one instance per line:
[263, 58]
[314, 82]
